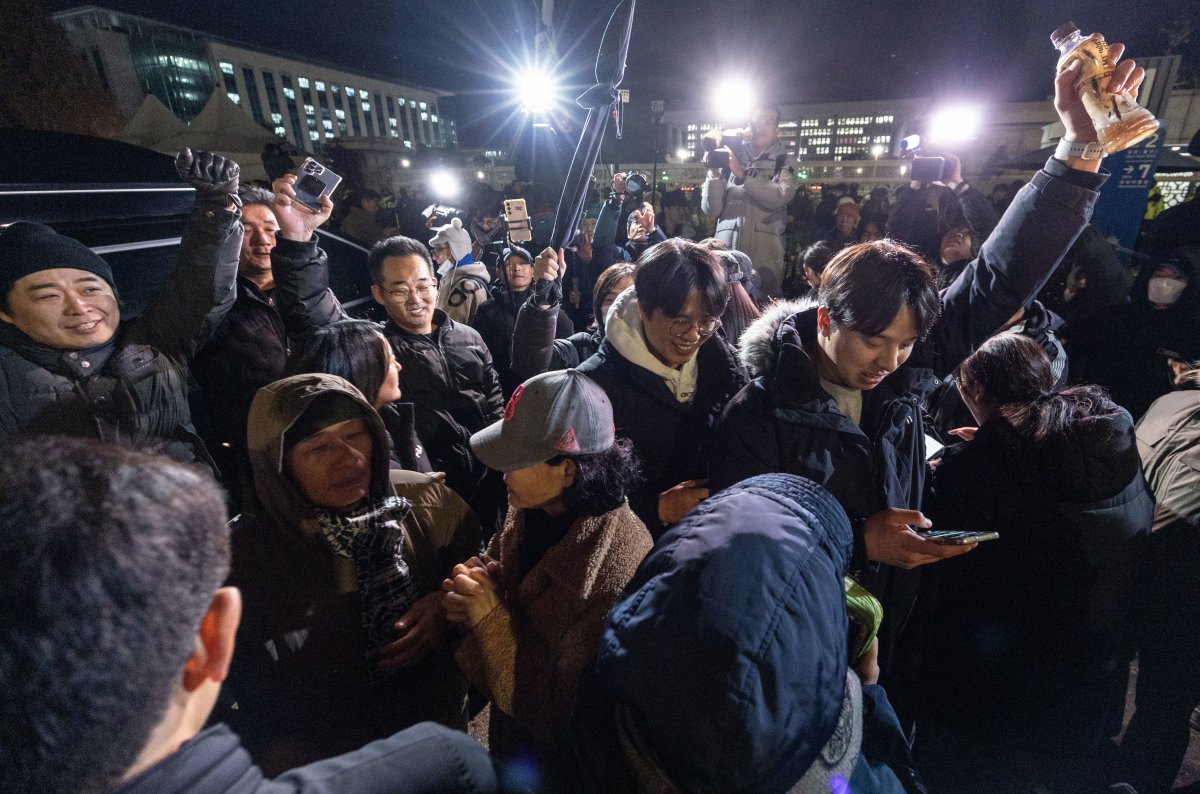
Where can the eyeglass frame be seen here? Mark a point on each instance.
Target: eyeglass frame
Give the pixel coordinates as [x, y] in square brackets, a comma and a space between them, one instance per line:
[714, 321]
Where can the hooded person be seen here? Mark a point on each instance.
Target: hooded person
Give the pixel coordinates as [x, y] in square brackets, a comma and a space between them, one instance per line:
[462, 282]
[723, 666]
[536, 605]
[339, 559]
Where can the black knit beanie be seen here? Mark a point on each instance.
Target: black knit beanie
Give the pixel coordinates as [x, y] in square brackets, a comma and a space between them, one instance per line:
[26, 248]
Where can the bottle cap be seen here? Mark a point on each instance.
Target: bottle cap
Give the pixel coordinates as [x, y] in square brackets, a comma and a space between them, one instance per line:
[1065, 31]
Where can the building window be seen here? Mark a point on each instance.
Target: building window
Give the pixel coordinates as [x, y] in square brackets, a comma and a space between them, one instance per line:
[235, 98]
[379, 121]
[252, 95]
[289, 92]
[226, 68]
[362, 94]
[313, 135]
[302, 82]
[424, 106]
[293, 111]
[320, 86]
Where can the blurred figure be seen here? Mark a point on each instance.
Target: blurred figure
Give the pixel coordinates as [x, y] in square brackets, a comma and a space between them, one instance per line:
[845, 226]
[110, 691]
[462, 282]
[816, 257]
[724, 664]
[741, 309]
[360, 222]
[1168, 635]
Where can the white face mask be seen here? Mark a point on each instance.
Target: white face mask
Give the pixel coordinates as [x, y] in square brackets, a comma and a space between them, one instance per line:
[1165, 291]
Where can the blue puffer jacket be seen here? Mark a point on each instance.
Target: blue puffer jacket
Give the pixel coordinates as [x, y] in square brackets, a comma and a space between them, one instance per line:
[727, 654]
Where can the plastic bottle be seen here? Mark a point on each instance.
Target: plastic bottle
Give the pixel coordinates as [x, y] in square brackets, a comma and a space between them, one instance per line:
[1120, 122]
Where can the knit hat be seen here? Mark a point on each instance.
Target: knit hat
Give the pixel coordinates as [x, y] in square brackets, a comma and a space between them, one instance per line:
[325, 411]
[728, 647]
[454, 235]
[737, 266]
[555, 413]
[27, 248]
[847, 208]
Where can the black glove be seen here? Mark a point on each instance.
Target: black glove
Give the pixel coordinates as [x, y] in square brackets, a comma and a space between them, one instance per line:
[212, 175]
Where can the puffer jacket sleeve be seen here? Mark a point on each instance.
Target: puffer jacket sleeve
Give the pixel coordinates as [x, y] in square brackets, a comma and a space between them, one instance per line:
[712, 197]
[1015, 261]
[200, 292]
[302, 291]
[533, 340]
[439, 523]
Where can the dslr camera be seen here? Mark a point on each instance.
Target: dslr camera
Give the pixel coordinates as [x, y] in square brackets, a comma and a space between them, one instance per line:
[636, 183]
[314, 181]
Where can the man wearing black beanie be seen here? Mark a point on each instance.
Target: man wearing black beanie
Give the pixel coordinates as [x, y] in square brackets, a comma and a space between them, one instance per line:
[67, 364]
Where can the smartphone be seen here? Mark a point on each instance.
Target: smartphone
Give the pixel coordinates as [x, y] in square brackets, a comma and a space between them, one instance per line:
[313, 181]
[949, 537]
[716, 159]
[517, 217]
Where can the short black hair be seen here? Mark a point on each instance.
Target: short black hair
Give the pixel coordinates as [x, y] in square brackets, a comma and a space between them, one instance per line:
[602, 480]
[252, 194]
[350, 349]
[109, 558]
[864, 286]
[668, 271]
[395, 246]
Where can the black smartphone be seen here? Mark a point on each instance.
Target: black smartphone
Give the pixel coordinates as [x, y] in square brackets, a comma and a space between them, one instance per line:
[715, 159]
[314, 180]
[950, 537]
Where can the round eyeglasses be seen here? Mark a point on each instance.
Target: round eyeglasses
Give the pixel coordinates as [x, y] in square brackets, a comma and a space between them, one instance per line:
[682, 326]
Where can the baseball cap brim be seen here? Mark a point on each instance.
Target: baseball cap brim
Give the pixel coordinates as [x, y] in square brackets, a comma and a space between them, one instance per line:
[496, 451]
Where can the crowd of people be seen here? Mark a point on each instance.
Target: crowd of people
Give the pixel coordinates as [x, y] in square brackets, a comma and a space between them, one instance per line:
[646, 514]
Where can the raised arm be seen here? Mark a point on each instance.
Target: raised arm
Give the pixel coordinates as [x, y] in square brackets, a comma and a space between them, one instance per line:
[200, 291]
[300, 268]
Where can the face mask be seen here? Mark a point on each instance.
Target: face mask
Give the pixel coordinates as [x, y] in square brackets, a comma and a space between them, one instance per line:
[1165, 291]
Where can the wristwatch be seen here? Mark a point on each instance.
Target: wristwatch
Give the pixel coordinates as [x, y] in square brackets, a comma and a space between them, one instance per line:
[1092, 150]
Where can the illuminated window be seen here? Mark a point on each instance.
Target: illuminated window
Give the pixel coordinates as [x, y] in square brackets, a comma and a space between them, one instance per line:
[320, 86]
[366, 106]
[362, 94]
[349, 91]
[313, 135]
[227, 68]
[433, 119]
[302, 82]
[236, 98]
[341, 114]
[277, 118]
[289, 93]
[328, 124]
[424, 106]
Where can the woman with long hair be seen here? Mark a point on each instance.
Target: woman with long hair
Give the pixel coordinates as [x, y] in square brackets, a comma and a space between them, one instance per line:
[1034, 624]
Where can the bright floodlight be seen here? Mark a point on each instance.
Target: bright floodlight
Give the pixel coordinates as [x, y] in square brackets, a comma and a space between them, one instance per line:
[733, 99]
[480, 175]
[536, 89]
[444, 184]
[955, 124]
[682, 154]
[877, 150]
[405, 163]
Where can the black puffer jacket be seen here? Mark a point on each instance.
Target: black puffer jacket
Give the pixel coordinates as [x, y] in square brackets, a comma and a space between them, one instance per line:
[672, 438]
[536, 349]
[785, 422]
[449, 378]
[132, 390]
[496, 322]
[1035, 624]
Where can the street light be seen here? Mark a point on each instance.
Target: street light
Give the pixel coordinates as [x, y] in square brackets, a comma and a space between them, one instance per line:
[877, 150]
[405, 163]
[955, 124]
[682, 154]
[444, 184]
[733, 99]
[536, 89]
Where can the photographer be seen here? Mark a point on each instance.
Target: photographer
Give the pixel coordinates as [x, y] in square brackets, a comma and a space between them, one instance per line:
[938, 216]
[748, 198]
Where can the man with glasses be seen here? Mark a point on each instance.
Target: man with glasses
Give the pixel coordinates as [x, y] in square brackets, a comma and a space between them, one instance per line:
[445, 369]
[668, 373]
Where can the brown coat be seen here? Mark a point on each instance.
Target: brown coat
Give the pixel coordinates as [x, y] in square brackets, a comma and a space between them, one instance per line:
[527, 654]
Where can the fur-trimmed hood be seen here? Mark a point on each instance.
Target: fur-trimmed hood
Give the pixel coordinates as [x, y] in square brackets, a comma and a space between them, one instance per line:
[756, 348]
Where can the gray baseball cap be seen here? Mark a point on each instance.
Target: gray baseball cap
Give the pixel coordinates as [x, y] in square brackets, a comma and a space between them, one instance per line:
[556, 413]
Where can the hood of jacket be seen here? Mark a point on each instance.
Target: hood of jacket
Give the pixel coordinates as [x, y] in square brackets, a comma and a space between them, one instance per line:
[756, 347]
[623, 330]
[275, 409]
[729, 644]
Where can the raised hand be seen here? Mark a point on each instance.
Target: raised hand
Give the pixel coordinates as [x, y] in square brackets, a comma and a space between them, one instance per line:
[296, 222]
[210, 174]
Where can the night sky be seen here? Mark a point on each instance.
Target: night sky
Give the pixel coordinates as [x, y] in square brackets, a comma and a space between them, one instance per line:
[799, 51]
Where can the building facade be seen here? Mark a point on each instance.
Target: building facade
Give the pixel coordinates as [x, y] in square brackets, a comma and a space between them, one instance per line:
[305, 102]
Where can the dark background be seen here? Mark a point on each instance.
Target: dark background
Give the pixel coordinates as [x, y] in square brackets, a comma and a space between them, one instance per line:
[799, 51]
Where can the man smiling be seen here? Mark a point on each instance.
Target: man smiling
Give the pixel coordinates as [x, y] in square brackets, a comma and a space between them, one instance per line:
[69, 366]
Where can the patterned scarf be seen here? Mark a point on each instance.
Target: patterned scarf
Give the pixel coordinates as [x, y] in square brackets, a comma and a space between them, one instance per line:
[373, 538]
